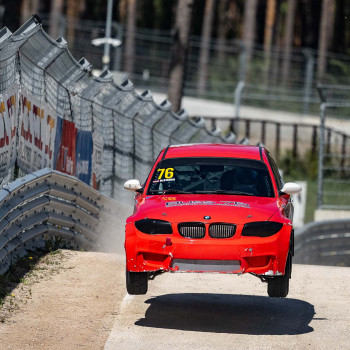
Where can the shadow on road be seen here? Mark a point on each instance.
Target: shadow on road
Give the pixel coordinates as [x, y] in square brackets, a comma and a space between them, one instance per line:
[224, 313]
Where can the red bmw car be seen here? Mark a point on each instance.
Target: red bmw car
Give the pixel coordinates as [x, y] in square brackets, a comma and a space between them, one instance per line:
[211, 208]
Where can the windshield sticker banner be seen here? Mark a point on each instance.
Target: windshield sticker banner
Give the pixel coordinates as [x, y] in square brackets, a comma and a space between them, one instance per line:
[162, 180]
[37, 134]
[83, 156]
[8, 123]
[219, 203]
[66, 154]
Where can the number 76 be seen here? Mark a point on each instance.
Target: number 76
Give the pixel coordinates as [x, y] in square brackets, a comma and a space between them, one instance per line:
[168, 173]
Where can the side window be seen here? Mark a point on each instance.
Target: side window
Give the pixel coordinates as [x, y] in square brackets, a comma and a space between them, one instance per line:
[275, 171]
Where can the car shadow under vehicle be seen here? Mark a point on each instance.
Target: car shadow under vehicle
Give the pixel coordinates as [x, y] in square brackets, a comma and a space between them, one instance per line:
[224, 313]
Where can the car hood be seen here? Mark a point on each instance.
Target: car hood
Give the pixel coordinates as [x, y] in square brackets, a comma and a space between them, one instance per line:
[219, 208]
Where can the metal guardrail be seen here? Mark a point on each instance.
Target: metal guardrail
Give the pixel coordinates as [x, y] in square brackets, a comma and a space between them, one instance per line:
[49, 204]
[324, 243]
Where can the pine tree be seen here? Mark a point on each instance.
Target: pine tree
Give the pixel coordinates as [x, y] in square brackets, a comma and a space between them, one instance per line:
[205, 46]
[55, 18]
[179, 52]
[129, 55]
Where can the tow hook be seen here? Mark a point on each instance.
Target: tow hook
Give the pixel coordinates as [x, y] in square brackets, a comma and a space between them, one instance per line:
[168, 242]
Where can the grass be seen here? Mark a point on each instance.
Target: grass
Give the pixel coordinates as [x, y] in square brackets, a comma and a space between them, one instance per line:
[336, 193]
[311, 200]
[311, 197]
[16, 283]
[336, 189]
[16, 274]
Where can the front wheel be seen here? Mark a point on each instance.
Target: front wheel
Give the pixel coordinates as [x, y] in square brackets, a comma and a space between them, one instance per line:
[136, 282]
[278, 287]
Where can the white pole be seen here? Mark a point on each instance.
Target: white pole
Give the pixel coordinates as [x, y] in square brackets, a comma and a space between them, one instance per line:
[106, 54]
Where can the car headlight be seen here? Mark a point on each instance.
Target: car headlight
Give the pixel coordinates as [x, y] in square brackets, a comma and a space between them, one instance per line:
[261, 228]
[154, 227]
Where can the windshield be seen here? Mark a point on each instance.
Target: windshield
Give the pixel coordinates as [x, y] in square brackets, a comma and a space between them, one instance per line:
[211, 175]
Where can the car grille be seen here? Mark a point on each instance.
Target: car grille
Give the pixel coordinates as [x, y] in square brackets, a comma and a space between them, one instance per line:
[192, 229]
[222, 230]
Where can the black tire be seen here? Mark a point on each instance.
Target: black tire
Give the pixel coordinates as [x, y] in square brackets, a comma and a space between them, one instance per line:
[136, 282]
[278, 287]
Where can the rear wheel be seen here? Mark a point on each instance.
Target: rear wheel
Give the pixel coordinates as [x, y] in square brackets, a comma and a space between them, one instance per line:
[136, 282]
[278, 286]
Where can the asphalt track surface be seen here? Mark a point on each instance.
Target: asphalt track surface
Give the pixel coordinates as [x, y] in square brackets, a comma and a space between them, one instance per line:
[216, 311]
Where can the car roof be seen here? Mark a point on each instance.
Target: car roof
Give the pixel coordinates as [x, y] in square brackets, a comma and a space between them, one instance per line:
[214, 150]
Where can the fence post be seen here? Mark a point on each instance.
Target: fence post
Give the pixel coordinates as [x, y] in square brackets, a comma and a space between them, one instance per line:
[295, 141]
[321, 155]
[343, 151]
[237, 103]
[328, 143]
[314, 140]
[263, 131]
[309, 76]
[213, 123]
[278, 138]
[242, 61]
[118, 49]
[247, 128]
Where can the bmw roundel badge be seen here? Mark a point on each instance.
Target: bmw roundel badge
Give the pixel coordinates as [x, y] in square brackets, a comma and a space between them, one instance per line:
[207, 217]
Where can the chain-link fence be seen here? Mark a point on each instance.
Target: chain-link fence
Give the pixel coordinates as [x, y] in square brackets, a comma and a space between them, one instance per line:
[334, 155]
[56, 114]
[272, 79]
[281, 137]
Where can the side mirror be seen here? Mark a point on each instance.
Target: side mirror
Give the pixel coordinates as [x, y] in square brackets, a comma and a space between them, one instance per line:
[290, 188]
[132, 185]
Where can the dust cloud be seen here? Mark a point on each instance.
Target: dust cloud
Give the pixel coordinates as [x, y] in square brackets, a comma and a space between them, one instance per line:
[111, 230]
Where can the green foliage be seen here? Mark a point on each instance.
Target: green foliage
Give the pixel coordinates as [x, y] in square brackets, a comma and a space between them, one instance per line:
[17, 271]
[338, 72]
[301, 167]
[163, 14]
[336, 184]
[15, 274]
[219, 86]
[54, 243]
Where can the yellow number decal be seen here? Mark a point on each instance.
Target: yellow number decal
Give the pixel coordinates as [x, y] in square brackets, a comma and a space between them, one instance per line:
[169, 173]
[161, 173]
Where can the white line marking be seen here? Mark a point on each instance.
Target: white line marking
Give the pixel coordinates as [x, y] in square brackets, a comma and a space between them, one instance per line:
[123, 305]
[126, 301]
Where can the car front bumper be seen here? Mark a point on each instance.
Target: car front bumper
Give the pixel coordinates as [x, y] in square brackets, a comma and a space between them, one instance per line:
[265, 256]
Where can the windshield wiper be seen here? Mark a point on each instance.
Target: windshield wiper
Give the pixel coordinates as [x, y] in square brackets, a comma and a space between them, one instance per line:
[226, 192]
[169, 191]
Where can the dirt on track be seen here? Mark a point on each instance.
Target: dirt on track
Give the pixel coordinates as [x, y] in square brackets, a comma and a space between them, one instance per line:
[73, 306]
[77, 300]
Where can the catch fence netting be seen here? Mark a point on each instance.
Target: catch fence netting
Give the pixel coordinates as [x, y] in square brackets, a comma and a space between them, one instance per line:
[56, 114]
